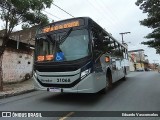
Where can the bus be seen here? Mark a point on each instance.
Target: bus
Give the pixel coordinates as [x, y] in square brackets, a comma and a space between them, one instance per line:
[77, 56]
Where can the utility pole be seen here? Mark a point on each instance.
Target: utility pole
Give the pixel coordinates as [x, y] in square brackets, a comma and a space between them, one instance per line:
[123, 34]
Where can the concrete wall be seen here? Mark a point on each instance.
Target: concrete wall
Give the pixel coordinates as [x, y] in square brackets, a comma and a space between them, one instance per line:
[131, 65]
[25, 36]
[16, 65]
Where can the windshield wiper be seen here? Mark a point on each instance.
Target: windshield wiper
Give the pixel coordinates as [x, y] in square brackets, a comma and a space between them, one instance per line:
[49, 38]
[65, 36]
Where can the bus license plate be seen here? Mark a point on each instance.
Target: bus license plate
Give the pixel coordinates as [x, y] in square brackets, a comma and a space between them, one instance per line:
[54, 89]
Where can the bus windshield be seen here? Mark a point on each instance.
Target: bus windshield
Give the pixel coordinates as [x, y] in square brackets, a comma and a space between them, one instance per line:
[65, 46]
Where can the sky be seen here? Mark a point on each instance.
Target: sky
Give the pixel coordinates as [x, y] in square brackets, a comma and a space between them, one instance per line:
[116, 16]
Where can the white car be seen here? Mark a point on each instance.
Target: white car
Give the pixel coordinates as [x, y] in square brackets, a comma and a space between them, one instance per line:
[140, 69]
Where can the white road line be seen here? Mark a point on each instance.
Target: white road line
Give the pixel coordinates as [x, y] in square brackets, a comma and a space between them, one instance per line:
[66, 116]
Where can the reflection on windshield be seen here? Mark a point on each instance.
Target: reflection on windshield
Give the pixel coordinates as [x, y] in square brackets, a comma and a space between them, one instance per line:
[45, 49]
[73, 47]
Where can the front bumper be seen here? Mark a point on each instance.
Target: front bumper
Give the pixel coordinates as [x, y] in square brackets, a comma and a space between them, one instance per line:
[88, 85]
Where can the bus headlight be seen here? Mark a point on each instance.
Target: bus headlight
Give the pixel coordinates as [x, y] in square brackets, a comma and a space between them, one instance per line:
[85, 73]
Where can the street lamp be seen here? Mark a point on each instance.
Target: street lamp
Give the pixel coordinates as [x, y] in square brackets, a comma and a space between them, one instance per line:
[123, 34]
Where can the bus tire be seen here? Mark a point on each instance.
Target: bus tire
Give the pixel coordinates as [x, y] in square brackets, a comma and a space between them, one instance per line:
[109, 81]
[125, 73]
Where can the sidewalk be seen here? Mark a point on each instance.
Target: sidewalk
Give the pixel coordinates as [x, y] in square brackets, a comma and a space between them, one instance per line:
[17, 88]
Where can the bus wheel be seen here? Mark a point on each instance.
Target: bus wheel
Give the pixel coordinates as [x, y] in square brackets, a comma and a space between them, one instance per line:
[108, 84]
[125, 73]
[109, 81]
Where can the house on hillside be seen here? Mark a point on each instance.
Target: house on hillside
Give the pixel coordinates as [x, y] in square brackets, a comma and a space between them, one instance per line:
[132, 62]
[18, 56]
[139, 59]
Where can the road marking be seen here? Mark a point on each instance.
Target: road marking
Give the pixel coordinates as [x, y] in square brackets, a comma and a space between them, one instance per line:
[66, 116]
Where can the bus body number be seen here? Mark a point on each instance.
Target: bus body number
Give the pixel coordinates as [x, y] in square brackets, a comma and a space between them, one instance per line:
[63, 80]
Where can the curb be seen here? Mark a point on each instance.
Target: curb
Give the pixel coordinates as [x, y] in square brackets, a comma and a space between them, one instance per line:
[15, 82]
[15, 94]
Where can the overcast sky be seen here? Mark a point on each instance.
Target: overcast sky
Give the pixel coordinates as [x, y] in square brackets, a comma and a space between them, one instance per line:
[115, 16]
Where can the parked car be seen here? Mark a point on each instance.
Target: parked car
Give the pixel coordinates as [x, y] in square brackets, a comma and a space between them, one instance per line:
[148, 69]
[139, 69]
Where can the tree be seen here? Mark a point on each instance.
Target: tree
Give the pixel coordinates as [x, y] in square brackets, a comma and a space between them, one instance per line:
[15, 12]
[152, 8]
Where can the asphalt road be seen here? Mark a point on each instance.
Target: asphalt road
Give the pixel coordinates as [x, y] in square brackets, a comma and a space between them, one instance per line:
[140, 92]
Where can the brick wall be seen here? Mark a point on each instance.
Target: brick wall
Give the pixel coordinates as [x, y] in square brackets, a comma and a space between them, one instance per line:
[16, 65]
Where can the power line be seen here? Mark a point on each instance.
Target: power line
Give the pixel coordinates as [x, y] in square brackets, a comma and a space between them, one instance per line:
[104, 15]
[109, 13]
[62, 10]
[113, 16]
[122, 25]
[51, 14]
[112, 13]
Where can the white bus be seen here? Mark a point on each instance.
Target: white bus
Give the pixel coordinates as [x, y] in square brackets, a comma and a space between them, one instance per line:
[77, 56]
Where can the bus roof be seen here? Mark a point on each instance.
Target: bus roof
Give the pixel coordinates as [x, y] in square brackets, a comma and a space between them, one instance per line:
[85, 19]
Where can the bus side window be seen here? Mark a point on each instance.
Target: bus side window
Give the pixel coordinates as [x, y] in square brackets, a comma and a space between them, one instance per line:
[121, 52]
[125, 53]
[96, 45]
[112, 47]
[99, 43]
[117, 49]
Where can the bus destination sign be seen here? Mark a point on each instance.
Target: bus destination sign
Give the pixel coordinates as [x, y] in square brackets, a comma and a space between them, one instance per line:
[61, 26]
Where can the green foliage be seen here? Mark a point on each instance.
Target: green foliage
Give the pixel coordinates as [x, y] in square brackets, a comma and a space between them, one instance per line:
[152, 8]
[27, 12]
